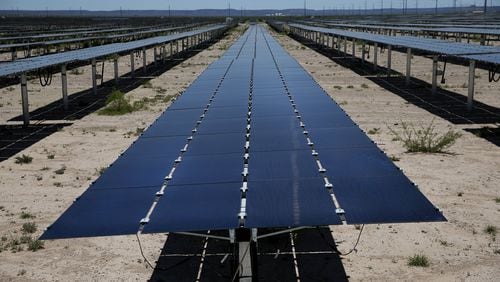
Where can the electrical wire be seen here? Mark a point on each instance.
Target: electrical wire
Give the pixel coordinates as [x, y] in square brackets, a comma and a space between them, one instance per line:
[492, 72]
[335, 247]
[142, 252]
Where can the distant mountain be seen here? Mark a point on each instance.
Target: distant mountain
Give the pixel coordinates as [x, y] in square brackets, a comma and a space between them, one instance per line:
[226, 12]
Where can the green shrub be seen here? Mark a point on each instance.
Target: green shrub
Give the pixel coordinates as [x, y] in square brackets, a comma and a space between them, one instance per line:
[425, 139]
[35, 245]
[117, 104]
[418, 260]
[29, 227]
[490, 229]
[26, 215]
[24, 159]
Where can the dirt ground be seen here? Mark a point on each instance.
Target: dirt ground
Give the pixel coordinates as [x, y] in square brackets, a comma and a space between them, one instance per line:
[464, 184]
[39, 189]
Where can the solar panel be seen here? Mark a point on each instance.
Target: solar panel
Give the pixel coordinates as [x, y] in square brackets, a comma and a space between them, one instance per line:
[487, 54]
[292, 149]
[29, 64]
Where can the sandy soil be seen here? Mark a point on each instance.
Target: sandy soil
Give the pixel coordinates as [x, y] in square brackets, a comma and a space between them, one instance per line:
[83, 149]
[463, 184]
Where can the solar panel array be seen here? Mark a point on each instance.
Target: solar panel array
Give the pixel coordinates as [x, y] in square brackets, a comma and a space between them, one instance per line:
[487, 30]
[254, 142]
[142, 33]
[487, 54]
[34, 63]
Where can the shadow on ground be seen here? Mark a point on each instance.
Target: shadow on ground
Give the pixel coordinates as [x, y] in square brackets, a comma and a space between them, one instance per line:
[16, 138]
[317, 258]
[445, 104]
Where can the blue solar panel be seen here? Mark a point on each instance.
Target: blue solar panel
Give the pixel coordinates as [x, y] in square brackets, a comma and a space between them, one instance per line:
[277, 165]
[385, 199]
[196, 208]
[204, 148]
[209, 169]
[214, 144]
[103, 213]
[290, 202]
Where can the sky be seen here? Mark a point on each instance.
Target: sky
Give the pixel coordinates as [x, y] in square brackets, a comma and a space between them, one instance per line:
[221, 4]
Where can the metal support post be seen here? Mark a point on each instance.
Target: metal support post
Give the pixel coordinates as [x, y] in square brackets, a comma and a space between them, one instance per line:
[375, 56]
[132, 64]
[24, 99]
[434, 74]
[408, 66]
[363, 54]
[115, 63]
[94, 74]
[389, 60]
[470, 97]
[64, 81]
[144, 60]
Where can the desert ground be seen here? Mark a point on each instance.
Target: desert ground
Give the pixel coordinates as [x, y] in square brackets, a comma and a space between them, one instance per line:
[462, 183]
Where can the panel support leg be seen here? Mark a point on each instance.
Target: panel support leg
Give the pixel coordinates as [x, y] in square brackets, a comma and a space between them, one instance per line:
[132, 65]
[375, 57]
[144, 60]
[14, 54]
[155, 54]
[94, 73]
[64, 81]
[363, 54]
[408, 66]
[115, 63]
[389, 60]
[470, 97]
[24, 99]
[353, 48]
[434, 74]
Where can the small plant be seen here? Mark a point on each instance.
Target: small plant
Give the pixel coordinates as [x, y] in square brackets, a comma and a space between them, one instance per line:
[77, 71]
[21, 272]
[26, 215]
[365, 86]
[395, 158]
[350, 86]
[24, 159]
[491, 230]
[25, 239]
[425, 139]
[117, 104]
[337, 87]
[51, 156]
[374, 131]
[444, 243]
[60, 171]
[35, 245]
[497, 200]
[102, 170]
[58, 184]
[460, 194]
[418, 260]
[10, 88]
[343, 103]
[29, 227]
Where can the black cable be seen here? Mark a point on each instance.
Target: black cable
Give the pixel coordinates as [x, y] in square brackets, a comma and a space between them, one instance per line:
[334, 248]
[492, 72]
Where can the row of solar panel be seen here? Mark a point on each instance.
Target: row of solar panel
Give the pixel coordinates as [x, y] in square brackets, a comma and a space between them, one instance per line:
[488, 54]
[84, 39]
[29, 64]
[462, 30]
[286, 188]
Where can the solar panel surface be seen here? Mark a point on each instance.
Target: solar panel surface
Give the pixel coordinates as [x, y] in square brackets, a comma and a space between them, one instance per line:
[270, 155]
